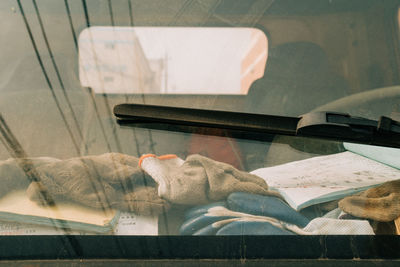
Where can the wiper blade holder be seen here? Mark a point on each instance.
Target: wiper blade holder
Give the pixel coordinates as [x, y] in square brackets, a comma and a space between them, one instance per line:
[328, 125]
[342, 126]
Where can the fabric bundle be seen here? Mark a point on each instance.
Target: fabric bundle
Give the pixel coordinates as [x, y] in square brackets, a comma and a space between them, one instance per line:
[110, 180]
[199, 180]
[250, 214]
[233, 201]
[145, 186]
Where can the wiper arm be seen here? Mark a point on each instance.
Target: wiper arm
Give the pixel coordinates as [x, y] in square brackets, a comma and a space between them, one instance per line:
[328, 125]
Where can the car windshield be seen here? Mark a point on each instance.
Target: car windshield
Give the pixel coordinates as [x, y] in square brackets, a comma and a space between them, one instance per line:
[70, 165]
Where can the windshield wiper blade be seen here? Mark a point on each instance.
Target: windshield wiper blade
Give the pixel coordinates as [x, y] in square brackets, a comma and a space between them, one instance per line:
[328, 125]
[206, 118]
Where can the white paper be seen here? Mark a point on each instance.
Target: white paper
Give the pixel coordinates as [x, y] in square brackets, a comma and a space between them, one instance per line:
[128, 224]
[132, 224]
[15, 228]
[324, 178]
[386, 155]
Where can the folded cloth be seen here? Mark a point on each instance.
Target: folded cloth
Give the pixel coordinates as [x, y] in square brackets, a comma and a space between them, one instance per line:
[379, 228]
[218, 216]
[195, 224]
[199, 220]
[265, 206]
[110, 180]
[242, 226]
[328, 226]
[339, 214]
[201, 209]
[220, 220]
[199, 180]
[381, 203]
[317, 226]
[211, 229]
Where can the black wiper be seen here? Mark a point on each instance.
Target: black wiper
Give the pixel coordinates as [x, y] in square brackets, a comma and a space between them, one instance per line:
[328, 125]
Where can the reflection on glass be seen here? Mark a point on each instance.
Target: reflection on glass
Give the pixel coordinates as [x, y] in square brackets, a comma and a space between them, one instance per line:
[171, 60]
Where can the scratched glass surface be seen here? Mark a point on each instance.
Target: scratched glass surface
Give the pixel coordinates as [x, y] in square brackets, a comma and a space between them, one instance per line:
[65, 64]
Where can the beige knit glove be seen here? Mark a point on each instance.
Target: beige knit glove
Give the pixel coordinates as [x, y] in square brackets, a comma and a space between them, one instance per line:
[380, 204]
[110, 180]
[199, 180]
[13, 174]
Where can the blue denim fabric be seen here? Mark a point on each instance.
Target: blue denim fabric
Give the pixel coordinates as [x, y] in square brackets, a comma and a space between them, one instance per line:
[265, 206]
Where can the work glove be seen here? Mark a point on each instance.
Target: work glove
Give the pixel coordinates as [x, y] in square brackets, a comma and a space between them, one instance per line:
[381, 203]
[14, 172]
[199, 180]
[110, 180]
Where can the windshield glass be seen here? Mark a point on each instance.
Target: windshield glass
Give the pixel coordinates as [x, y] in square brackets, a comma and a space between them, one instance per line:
[69, 166]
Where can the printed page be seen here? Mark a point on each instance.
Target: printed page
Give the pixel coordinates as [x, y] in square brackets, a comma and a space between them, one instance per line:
[132, 224]
[128, 224]
[312, 179]
[17, 228]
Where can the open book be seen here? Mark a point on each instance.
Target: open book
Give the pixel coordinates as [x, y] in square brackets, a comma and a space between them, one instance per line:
[325, 178]
[17, 207]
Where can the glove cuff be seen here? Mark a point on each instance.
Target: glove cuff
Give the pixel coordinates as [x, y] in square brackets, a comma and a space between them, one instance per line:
[159, 168]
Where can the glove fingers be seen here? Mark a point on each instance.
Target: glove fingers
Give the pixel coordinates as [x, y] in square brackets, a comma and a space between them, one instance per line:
[95, 181]
[37, 193]
[228, 170]
[76, 181]
[223, 179]
[248, 187]
[248, 177]
[124, 159]
[383, 190]
[102, 199]
[143, 201]
[116, 168]
[12, 172]
[382, 209]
